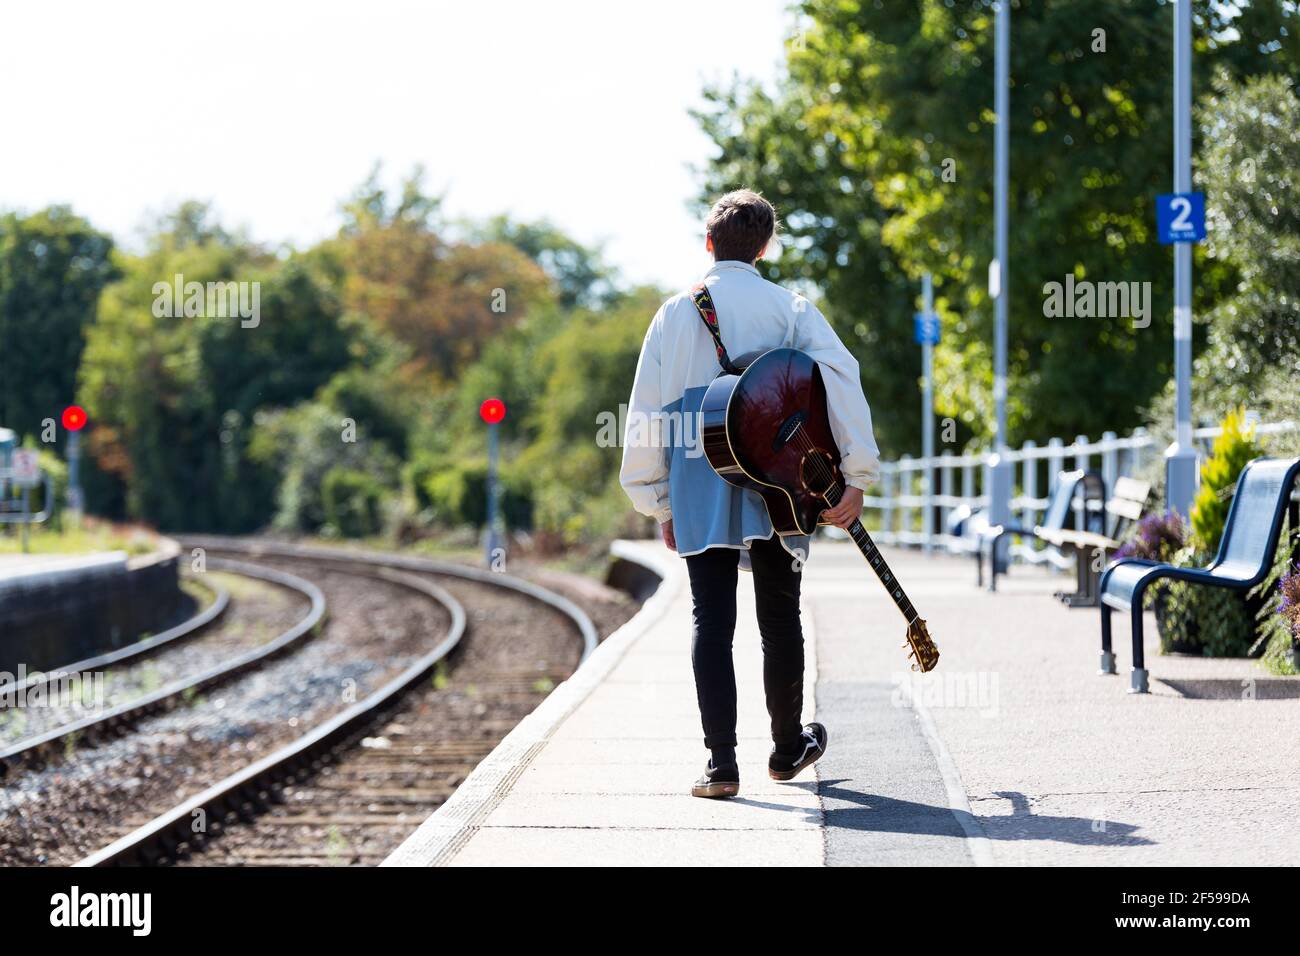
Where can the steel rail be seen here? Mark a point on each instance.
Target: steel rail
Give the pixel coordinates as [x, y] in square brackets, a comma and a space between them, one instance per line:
[255, 547]
[30, 748]
[244, 792]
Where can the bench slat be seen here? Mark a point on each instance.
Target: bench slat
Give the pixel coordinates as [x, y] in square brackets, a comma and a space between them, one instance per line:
[1132, 510]
[1132, 489]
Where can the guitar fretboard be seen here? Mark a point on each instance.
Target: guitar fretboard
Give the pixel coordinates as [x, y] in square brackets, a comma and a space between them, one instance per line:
[876, 560]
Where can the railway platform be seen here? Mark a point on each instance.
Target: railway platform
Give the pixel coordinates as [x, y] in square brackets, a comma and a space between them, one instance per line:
[1014, 751]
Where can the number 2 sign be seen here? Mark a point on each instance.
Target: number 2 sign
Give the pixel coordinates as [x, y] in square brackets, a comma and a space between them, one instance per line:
[1180, 217]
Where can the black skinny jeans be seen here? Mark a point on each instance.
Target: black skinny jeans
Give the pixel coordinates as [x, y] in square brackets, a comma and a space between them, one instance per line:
[713, 575]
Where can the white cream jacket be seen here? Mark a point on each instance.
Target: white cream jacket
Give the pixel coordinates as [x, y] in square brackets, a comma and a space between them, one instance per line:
[664, 471]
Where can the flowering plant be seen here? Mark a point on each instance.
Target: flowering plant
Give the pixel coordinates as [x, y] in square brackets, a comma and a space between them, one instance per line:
[1289, 608]
[1158, 537]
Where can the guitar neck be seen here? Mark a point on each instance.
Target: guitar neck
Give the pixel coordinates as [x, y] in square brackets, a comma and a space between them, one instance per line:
[883, 571]
[877, 561]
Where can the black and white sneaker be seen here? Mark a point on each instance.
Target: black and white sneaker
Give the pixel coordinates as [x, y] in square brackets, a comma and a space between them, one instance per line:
[787, 766]
[717, 782]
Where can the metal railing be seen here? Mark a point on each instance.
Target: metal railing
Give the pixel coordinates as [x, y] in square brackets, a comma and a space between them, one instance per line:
[902, 511]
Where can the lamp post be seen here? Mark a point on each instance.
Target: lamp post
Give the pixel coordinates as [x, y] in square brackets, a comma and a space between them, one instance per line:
[927, 332]
[1180, 459]
[493, 411]
[999, 468]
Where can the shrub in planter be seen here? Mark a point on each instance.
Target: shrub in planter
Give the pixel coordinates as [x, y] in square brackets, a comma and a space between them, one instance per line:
[1232, 451]
[1193, 618]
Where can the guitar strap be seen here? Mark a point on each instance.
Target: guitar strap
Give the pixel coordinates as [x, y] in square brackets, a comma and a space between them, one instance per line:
[704, 305]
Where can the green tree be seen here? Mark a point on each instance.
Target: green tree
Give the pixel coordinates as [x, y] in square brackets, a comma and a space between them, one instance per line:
[574, 455]
[580, 277]
[53, 265]
[444, 299]
[173, 397]
[1250, 172]
[878, 149]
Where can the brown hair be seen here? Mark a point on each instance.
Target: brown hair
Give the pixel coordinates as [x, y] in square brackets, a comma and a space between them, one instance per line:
[741, 224]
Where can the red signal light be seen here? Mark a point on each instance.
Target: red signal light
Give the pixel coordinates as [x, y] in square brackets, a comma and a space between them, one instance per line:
[74, 418]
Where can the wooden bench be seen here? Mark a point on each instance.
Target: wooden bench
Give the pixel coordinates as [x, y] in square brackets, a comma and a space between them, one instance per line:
[1244, 559]
[1059, 509]
[1092, 547]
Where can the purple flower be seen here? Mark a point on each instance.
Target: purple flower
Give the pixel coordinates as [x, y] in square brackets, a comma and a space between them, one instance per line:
[1156, 538]
[1289, 587]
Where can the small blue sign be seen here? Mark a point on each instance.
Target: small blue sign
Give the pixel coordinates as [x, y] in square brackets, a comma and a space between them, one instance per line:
[925, 328]
[1180, 217]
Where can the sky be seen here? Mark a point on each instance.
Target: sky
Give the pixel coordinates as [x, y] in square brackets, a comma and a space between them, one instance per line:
[275, 111]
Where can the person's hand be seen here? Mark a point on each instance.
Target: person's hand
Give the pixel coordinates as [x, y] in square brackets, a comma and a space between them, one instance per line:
[666, 529]
[847, 511]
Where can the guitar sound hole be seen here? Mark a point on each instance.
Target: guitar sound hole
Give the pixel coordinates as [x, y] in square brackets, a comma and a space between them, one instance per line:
[816, 472]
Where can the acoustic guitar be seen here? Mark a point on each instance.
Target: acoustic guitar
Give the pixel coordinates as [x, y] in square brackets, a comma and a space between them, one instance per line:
[765, 428]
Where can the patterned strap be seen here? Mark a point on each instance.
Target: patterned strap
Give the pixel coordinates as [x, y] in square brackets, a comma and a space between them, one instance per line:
[704, 305]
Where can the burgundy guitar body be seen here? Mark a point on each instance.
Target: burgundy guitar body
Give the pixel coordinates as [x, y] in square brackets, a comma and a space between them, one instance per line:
[767, 430]
[758, 429]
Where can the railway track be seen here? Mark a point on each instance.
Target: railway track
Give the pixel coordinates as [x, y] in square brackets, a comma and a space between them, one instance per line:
[31, 751]
[351, 788]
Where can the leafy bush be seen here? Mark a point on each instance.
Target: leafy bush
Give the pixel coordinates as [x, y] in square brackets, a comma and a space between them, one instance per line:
[303, 445]
[1231, 452]
[353, 502]
[456, 493]
[57, 469]
[1217, 621]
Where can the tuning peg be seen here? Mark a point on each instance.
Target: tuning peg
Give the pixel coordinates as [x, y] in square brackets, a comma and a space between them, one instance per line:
[914, 667]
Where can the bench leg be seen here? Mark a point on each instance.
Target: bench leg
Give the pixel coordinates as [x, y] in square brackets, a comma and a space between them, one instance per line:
[1085, 582]
[979, 567]
[1138, 680]
[1107, 655]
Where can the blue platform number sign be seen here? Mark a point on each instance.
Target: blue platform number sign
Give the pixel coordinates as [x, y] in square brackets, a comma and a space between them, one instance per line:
[925, 328]
[1180, 217]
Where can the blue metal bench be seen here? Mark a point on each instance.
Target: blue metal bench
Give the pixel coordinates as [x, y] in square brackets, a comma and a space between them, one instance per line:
[1244, 559]
[1059, 507]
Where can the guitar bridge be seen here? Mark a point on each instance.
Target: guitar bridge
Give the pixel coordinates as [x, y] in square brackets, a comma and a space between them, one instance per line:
[787, 430]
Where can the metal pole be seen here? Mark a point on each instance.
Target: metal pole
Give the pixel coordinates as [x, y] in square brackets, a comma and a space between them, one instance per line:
[74, 478]
[492, 541]
[999, 466]
[1181, 463]
[927, 419]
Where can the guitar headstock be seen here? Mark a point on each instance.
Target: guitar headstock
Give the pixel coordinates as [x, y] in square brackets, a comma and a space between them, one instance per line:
[923, 651]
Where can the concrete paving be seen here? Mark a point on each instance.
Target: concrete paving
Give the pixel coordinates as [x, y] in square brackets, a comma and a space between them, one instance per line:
[1012, 752]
